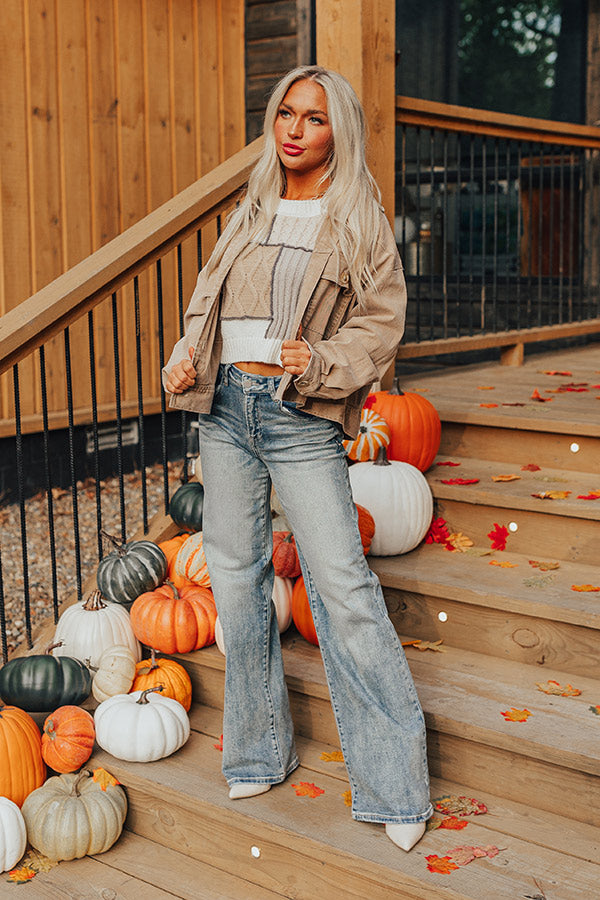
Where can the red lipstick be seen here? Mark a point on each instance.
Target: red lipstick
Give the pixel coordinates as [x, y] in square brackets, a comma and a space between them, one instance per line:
[292, 149]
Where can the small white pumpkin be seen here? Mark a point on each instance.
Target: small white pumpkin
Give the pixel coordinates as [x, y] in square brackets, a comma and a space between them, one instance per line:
[13, 834]
[282, 598]
[115, 673]
[72, 815]
[141, 726]
[90, 627]
[399, 499]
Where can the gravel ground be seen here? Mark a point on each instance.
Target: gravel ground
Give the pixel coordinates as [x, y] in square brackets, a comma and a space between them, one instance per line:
[38, 546]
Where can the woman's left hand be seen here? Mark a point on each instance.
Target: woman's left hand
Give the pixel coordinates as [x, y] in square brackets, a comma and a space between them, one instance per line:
[295, 356]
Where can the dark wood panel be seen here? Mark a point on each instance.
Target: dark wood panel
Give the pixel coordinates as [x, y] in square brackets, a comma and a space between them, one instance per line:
[276, 55]
[271, 19]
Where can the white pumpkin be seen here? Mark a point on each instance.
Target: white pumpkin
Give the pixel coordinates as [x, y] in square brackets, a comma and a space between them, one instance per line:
[282, 598]
[89, 628]
[115, 673]
[142, 726]
[13, 834]
[399, 499]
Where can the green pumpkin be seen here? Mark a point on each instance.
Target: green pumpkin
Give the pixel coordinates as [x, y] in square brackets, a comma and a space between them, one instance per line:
[130, 570]
[43, 682]
[186, 506]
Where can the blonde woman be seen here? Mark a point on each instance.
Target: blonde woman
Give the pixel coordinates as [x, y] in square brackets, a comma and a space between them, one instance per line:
[300, 308]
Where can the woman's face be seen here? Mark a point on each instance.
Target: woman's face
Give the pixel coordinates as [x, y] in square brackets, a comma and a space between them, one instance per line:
[303, 135]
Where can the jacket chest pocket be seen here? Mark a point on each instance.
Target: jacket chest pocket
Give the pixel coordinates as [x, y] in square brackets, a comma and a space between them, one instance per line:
[329, 303]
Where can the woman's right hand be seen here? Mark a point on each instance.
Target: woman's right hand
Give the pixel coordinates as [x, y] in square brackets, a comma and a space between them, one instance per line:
[182, 376]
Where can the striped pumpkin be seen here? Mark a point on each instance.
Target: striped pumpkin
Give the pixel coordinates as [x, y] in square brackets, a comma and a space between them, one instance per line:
[190, 561]
[373, 433]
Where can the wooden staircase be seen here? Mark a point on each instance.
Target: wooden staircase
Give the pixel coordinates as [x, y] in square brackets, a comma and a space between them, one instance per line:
[505, 629]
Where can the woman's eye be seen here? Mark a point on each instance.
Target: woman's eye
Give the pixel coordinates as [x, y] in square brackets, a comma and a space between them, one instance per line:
[284, 113]
[316, 120]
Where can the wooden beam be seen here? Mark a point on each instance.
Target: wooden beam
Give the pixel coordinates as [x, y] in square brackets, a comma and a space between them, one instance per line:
[357, 39]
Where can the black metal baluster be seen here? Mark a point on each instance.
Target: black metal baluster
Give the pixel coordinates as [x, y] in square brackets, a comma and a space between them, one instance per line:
[444, 229]
[482, 310]
[586, 191]
[69, 382]
[21, 497]
[540, 257]
[49, 498]
[163, 399]
[3, 635]
[471, 278]
[94, 395]
[118, 411]
[495, 240]
[418, 247]
[519, 238]
[571, 236]
[457, 233]
[550, 292]
[561, 240]
[507, 237]
[140, 399]
[530, 241]
[432, 240]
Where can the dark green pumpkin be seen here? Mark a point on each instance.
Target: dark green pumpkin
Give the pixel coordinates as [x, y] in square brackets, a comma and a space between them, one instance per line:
[130, 570]
[43, 682]
[187, 505]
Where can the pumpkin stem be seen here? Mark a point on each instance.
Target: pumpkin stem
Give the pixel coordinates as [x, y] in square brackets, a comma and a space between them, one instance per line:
[94, 602]
[173, 588]
[87, 662]
[84, 773]
[143, 696]
[363, 429]
[114, 541]
[52, 647]
[382, 459]
[396, 390]
[153, 663]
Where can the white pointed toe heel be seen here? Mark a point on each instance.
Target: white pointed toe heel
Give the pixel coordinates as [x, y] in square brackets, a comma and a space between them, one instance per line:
[405, 836]
[240, 790]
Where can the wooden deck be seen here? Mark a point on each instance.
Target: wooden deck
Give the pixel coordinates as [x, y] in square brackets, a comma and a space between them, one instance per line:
[507, 629]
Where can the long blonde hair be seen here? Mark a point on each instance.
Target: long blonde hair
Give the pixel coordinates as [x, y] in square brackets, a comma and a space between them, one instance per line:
[353, 198]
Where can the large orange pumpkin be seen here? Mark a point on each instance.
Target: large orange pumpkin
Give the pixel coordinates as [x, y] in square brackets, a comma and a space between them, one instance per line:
[415, 426]
[68, 738]
[175, 621]
[22, 768]
[301, 613]
[175, 681]
[171, 548]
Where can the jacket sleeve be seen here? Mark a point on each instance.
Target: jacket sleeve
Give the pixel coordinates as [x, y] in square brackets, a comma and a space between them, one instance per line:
[363, 348]
[192, 325]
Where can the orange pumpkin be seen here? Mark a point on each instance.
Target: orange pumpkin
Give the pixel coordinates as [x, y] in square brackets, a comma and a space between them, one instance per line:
[301, 613]
[175, 621]
[171, 548]
[175, 681]
[285, 555]
[374, 432]
[366, 526]
[68, 738]
[415, 426]
[22, 768]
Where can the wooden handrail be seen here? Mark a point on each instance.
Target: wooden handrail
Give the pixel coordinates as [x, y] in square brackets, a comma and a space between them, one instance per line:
[427, 114]
[68, 297]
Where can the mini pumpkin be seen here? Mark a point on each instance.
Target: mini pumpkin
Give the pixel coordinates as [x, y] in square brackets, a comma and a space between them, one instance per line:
[86, 629]
[130, 569]
[115, 673]
[366, 527]
[22, 768]
[175, 681]
[13, 834]
[190, 562]
[41, 682]
[68, 738]
[91, 816]
[301, 613]
[373, 433]
[415, 427]
[187, 503]
[141, 727]
[175, 621]
[285, 555]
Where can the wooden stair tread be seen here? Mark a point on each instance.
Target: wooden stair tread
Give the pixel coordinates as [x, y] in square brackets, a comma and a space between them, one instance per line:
[471, 579]
[516, 494]
[302, 838]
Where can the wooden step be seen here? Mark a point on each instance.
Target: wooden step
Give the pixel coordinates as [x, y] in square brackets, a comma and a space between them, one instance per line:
[303, 848]
[463, 694]
[519, 613]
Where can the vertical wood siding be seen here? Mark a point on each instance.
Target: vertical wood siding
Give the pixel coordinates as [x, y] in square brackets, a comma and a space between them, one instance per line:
[108, 108]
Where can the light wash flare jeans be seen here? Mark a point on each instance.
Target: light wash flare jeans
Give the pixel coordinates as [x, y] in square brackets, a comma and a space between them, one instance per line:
[249, 441]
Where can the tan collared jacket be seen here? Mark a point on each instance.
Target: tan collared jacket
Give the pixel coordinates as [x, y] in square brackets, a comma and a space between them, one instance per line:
[351, 348]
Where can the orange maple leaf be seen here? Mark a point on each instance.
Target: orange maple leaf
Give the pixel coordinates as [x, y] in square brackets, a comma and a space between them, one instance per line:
[334, 756]
[486, 387]
[503, 565]
[22, 875]
[553, 372]
[104, 778]
[505, 477]
[347, 795]
[593, 495]
[553, 687]
[585, 588]
[307, 789]
[442, 865]
[552, 495]
[454, 824]
[516, 715]
[451, 805]
[537, 396]
[595, 710]
[488, 405]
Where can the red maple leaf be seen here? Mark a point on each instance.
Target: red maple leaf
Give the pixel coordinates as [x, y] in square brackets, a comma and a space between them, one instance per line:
[488, 405]
[369, 401]
[219, 746]
[530, 467]
[438, 532]
[447, 463]
[459, 480]
[537, 396]
[498, 536]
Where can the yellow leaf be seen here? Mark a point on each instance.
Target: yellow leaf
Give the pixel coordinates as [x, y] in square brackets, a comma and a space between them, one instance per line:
[503, 565]
[553, 687]
[104, 778]
[347, 795]
[486, 387]
[459, 541]
[426, 645]
[22, 875]
[544, 566]
[585, 588]
[505, 477]
[38, 862]
[552, 495]
[516, 715]
[335, 756]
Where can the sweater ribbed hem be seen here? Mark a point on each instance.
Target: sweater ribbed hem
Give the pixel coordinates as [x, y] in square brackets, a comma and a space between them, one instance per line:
[252, 349]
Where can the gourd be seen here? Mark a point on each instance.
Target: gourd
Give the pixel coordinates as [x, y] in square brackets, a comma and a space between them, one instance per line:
[115, 672]
[285, 555]
[68, 738]
[366, 527]
[187, 503]
[13, 834]
[190, 562]
[41, 682]
[373, 433]
[415, 427]
[141, 727]
[301, 613]
[130, 569]
[175, 681]
[282, 599]
[399, 500]
[174, 621]
[72, 816]
[92, 626]
[22, 768]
